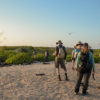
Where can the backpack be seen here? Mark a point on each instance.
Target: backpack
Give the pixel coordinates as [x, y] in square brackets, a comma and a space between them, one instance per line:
[61, 53]
[85, 65]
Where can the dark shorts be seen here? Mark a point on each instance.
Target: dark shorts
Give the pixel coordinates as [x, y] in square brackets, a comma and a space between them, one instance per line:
[60, 62]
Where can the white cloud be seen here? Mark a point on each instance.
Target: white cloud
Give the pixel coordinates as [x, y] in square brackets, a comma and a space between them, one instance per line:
[1, 32]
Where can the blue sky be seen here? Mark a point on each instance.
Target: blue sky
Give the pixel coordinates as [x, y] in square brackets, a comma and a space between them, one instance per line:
[43, 22]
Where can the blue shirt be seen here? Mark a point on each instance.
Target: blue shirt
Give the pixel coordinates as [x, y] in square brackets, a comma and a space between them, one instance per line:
[77, 50]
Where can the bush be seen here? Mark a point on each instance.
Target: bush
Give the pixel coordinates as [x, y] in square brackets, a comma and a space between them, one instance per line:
[6, 54]
[24, 54]
[97, 59]
[20, 58]
[3, 56]
[40, 57]
[68, 58]
[51, 58]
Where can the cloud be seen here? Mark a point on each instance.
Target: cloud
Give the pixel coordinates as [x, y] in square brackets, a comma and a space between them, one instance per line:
[2, 39]
[1, 32]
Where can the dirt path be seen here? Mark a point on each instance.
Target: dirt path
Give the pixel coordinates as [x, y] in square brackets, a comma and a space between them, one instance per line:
[21, 83]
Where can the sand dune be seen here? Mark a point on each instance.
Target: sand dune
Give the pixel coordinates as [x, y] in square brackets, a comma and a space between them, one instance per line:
[23, 83]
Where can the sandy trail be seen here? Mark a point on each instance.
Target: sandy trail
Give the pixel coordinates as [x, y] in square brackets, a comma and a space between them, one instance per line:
[21, 83]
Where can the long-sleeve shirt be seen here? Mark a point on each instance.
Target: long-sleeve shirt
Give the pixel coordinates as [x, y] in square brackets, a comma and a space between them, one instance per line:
[91, 59]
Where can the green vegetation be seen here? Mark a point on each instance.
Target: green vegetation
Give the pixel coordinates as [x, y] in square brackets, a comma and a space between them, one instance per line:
[16, 55]
[20, 58]
[24, 55]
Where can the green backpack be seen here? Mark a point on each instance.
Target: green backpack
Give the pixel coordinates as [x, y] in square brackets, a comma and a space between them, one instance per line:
[61, 53]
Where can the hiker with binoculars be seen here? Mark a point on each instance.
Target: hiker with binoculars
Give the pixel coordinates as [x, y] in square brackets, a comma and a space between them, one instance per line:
[84, 65]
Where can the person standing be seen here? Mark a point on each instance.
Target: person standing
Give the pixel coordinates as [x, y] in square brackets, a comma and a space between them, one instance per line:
[60, 58]
[78, 49]
[34, 54]
[75, 52]
[46, 56]
[84, 66]
[73, 59]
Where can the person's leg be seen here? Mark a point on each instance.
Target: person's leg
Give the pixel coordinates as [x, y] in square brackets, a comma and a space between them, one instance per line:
[81, 84]
[64, 67]
[58, 74]
[73, 64]
[47, 59]
[57, 69]
[86, 82]
[79, 79]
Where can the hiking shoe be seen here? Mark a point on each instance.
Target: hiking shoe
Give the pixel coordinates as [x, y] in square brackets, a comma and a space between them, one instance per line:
[85, 93]
[66, 77]
[59, 78]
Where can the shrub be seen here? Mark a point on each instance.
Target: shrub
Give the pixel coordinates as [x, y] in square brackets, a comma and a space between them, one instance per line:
[97, 59]
[3, 56]
[51, 58]
[68, 58]
[20, 58]
[6, 54]
[40, 57]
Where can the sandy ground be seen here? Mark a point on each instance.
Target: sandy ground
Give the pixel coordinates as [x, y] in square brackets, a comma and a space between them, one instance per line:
[21, 83]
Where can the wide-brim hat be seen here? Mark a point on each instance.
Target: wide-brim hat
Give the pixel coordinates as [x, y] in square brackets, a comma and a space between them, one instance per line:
[85, 45]
[59, 42]
[79, 43]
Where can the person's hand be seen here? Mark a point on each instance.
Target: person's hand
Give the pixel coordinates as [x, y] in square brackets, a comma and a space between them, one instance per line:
[93, 72]
[76, 69]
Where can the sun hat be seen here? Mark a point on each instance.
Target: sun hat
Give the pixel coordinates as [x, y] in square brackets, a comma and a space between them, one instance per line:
[79, 43]
[59, 42]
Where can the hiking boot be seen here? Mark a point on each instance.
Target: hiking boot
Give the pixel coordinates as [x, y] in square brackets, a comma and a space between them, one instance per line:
[66, 77]
[84, 93]
[59, 78]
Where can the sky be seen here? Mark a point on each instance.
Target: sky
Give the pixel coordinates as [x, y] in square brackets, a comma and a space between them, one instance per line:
[44, 22]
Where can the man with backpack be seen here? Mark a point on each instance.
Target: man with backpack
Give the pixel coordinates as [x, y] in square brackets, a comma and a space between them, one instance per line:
[84, 66]
[60, 58]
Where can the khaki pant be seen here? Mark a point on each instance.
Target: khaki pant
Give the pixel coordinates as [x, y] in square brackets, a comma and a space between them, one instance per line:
[60, 62]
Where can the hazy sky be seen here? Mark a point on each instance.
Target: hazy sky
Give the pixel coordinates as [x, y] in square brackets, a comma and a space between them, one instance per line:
[43, 22]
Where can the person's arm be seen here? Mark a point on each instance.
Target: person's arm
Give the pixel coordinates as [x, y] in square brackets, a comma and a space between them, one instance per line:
[93, 63]
[76, 53]
[77, 61]
[73, 54]
[56, 51]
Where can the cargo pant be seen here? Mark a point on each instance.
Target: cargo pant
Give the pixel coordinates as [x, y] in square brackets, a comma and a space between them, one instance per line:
[86, 81]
